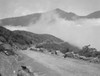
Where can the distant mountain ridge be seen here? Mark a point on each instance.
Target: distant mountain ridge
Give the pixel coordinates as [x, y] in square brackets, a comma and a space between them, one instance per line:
[94, 15]
[65, 15]
[36, 17]
[22, 20]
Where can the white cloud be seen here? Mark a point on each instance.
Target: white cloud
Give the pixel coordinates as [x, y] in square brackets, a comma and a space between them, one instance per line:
[22, 11]
[88, 22]
[12, 28]
[80, 33]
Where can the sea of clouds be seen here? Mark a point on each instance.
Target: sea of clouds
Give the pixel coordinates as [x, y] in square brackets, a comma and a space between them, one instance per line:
[79, 32]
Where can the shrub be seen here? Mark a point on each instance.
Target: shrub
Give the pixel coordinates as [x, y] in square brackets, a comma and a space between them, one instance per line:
[89, 52]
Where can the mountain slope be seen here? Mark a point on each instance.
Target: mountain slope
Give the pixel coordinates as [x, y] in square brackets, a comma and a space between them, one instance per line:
[22, 21]
[38, 38]
[94, 15]
[63, 47]
[66, 15]
[46, 17]
[11, 38]
[24, 37]
[36, 17]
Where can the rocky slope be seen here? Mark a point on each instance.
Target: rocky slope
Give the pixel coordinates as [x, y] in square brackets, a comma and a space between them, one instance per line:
[23, 38]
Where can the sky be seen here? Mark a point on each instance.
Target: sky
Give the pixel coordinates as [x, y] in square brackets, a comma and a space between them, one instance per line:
[22, 7]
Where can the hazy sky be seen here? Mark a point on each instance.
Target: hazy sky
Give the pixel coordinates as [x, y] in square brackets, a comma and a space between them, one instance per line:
[22, 7]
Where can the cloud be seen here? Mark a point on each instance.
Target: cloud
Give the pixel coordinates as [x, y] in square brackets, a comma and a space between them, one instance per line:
[88, 22]
[80, 32]
[12, 28]
[22, 11]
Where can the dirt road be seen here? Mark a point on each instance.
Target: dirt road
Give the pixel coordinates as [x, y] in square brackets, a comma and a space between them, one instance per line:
[64, 67]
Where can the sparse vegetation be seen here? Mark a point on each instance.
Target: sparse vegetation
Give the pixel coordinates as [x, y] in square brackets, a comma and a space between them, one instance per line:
[89, 52]
[63, 47]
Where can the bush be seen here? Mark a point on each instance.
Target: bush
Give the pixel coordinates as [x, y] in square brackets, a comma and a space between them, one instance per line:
[89, 52]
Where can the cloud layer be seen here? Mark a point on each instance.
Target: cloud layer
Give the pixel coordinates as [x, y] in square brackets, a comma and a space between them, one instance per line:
[80, 32]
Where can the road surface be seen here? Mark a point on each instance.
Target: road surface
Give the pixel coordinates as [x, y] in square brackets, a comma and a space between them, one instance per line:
[57, 66]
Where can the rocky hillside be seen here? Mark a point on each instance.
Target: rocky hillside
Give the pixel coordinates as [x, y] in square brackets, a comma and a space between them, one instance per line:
[12, 39]
[62, 47]
[22, 39]
[38, 38]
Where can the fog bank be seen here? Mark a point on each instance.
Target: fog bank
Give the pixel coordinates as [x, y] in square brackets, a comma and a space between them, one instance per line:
[79, 32]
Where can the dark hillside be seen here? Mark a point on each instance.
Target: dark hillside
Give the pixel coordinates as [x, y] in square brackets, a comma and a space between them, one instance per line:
[63, 47]
[11, 38]
[24, 38]
[38, 38]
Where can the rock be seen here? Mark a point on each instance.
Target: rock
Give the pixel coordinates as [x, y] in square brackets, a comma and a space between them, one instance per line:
[25, 71]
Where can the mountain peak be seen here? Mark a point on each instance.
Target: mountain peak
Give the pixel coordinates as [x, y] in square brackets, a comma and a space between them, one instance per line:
[58, 9]
[64, 14]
